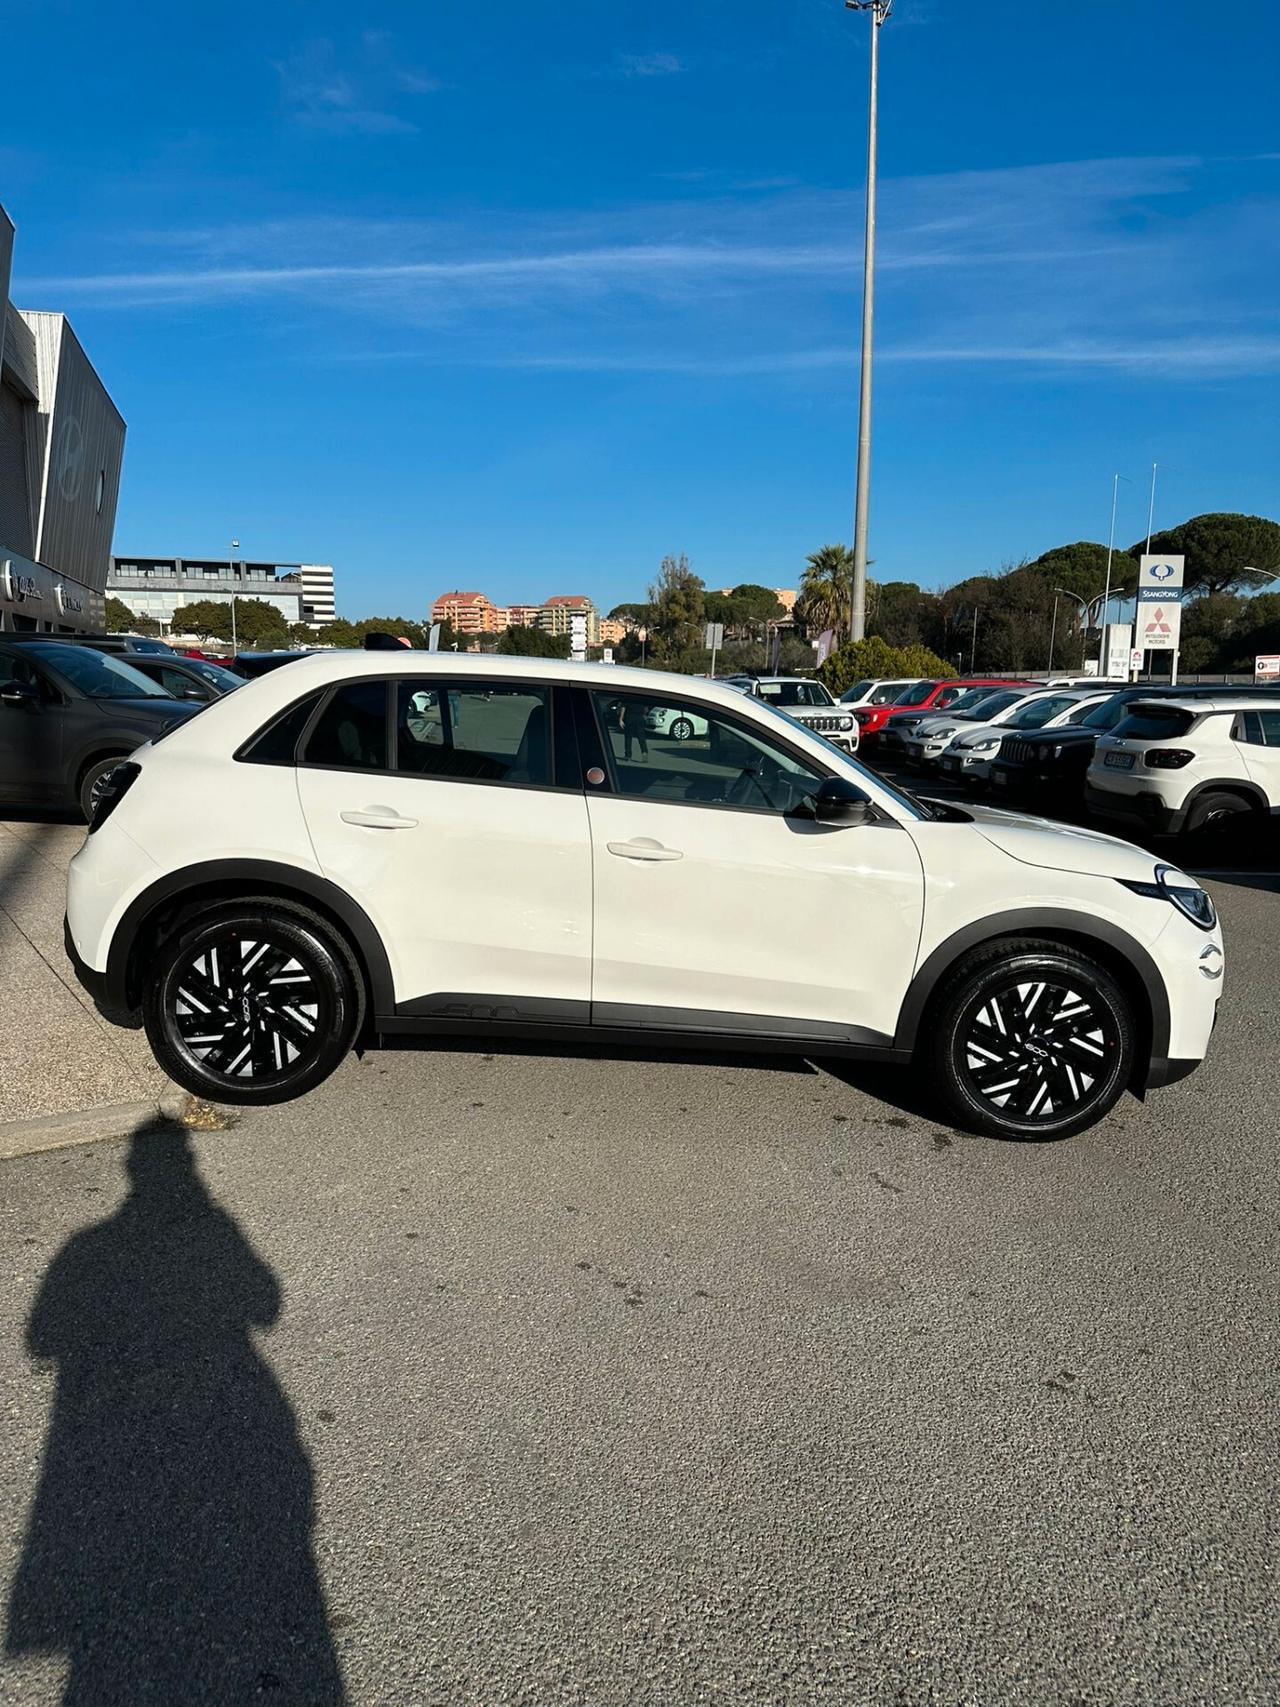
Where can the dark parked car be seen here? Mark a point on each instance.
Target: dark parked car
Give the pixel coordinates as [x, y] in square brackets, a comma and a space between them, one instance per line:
[121, 643]
[251, 664]
[68, 715]
[1056, 760]
[187, 678]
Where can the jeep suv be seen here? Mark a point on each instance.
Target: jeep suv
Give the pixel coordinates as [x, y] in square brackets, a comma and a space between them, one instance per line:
[1177, 766]
[809, 703]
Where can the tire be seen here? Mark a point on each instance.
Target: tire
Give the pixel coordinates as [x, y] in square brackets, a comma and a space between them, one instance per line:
[1030, 1039]
[91, 780]
[231, 962]
[1216, 813]
[681, 729]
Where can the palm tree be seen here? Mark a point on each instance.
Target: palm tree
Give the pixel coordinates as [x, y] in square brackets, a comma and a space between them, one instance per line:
[826, 589]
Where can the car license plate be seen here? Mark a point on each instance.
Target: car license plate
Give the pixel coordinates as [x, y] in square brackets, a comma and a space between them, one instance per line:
[949, 764]
[1119, 761]
[1000, 779]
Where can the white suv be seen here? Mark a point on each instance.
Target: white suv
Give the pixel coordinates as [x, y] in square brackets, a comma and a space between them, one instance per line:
[809, 703]
[313, 858]
[1177, 766]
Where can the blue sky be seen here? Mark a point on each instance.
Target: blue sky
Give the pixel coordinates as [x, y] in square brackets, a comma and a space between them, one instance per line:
[522, 297]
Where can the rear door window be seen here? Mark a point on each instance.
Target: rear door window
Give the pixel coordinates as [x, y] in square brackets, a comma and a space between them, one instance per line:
[351, 732]
[469, 731]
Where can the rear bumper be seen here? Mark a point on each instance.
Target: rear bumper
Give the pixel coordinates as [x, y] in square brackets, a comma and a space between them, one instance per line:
[1147, 810]
[95, 984]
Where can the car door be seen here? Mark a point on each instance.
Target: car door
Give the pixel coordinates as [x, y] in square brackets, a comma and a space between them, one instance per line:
[1258, 736]
[446, 809]
[718, 908]
[30, 732]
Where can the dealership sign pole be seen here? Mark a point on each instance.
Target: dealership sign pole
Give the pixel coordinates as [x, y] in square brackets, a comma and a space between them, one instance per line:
[1159, 613]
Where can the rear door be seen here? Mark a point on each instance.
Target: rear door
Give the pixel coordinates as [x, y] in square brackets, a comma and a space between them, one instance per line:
[1257, 734]
[451, 809]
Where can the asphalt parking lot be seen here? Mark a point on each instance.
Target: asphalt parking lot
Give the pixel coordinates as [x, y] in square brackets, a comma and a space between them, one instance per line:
[493, 1377]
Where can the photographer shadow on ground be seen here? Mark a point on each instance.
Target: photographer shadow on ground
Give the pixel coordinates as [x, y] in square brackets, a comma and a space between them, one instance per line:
[168, 1555]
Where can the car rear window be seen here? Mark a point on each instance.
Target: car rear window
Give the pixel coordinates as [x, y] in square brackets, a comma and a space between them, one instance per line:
[351, 731]
[277, 743]
[1155, 723]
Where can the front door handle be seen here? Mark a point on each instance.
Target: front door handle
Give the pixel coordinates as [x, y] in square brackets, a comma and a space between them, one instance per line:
[643, 847]
[379, 818]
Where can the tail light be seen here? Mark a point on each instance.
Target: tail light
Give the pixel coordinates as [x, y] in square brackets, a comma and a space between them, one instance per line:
[1168, 758]
[115, 785]
[865, 717]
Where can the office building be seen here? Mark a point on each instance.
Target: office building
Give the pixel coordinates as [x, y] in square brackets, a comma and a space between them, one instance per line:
[61, 449]
[158, 586]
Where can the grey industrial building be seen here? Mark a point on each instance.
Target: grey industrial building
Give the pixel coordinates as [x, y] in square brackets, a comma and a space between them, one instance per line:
[156, 587]
[61, 449]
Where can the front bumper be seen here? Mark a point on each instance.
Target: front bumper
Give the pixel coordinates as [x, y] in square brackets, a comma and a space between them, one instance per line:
[966, 764]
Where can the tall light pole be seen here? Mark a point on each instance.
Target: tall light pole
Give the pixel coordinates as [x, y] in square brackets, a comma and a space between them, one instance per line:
[1151, 507]
[235, 546]
[1111, 546]
[879, 10]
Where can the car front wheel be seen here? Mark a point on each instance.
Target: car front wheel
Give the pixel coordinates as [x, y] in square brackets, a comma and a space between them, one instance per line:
[682, 729]
[256, 1002]
[91, 784]
[1030, 1040]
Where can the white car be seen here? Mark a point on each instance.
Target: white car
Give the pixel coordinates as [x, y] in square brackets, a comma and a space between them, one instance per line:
[1177, 766]
[969, 754]
[309, 861]
[679, 724]
[810, 703]
[876, 690]
[933, 735]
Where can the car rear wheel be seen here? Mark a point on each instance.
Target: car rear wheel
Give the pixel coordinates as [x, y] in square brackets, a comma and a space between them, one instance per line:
[91, 784]
[1030, 1040]
[256, 1002]
[1216, 813]
[681, 729]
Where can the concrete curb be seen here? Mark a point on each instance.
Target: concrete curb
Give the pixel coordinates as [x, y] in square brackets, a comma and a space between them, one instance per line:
[89, 1125]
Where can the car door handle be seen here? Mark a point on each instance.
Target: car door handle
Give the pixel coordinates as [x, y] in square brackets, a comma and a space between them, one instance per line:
[379, 818]
[643, 847]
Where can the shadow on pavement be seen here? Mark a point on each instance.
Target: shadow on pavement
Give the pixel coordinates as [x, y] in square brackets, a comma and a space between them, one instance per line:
[168, 1555]
[659, 1053]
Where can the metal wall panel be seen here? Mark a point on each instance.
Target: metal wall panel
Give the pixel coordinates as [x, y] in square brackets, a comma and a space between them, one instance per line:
[81, 447]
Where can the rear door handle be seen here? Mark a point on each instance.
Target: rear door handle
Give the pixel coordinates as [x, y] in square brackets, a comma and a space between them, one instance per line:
[643, 847]
[379, 818]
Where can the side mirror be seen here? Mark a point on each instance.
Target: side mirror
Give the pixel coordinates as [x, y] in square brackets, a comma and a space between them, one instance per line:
[839, 802]
[19, 693]
[191, 693]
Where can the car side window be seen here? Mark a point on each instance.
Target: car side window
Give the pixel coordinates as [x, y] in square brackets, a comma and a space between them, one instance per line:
[668, 750]
[175, 681]
[17, 670]
[1260, 728]
[469, 731]
[885, 695]
[351, 731]
[278, 742]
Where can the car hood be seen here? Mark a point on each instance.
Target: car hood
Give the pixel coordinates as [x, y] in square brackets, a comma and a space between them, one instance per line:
[1060, 847]
[1056, 737]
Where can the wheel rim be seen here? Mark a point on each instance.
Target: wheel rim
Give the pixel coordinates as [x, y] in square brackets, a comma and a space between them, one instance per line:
[1038, 1051]
[682, 730]
[249, 1007]
[97, 788]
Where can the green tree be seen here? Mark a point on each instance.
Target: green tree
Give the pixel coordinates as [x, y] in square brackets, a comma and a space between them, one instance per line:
[873, 657]
[533, 643]
[339, 632]
[121, 620]
[1219, 548]
[678, 612]
[208, 618]
[759, 604]
[635, 616]
[258, 625]
[1082, 568]
[826, 591]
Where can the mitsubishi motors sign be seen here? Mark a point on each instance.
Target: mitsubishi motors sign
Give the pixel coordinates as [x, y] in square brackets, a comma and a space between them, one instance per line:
[1159, 627]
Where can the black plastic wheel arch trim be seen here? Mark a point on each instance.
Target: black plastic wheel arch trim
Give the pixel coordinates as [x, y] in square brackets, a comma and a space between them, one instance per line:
[290, 882]
[1039, 921]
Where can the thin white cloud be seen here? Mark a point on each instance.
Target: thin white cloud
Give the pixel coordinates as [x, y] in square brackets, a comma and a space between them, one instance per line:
[650, 65]
[355, 95]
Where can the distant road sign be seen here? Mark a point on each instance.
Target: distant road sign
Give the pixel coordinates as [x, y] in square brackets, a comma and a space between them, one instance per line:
[715, 636]
[1135, 658]
[1265, 666]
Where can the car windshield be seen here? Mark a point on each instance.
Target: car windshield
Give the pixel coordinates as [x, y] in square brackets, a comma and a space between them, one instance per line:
[850, 696]
[991, 706]
[969, 698]
[1038, 712]
[1082, 711]
[918, 808]
[100, 675]
[913, 693]
[795, 693]
[1107, 714]
[214, 674]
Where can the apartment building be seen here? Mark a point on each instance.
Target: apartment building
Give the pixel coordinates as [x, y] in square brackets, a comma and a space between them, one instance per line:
[557, 615]
[468, 613]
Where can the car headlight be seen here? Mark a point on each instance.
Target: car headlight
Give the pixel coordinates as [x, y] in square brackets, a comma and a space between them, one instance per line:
[937, 734]
[983, 746]
[846, 723]
[1169, 884]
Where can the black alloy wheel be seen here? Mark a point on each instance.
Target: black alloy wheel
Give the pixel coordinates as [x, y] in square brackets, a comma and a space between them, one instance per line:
[1035, 1040]
[252, 1004]
[93, 782]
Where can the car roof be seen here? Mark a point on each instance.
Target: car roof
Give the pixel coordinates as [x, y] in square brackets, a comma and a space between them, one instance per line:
[1202, 704]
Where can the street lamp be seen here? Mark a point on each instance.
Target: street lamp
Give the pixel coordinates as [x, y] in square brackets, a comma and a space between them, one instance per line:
[879, 10]
[235, 546]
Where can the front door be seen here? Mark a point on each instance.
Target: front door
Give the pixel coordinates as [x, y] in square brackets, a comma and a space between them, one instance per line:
[436, 804]
[30, 733]
[718, 909]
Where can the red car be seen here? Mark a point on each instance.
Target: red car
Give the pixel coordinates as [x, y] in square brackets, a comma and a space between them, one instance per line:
[919, 699]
